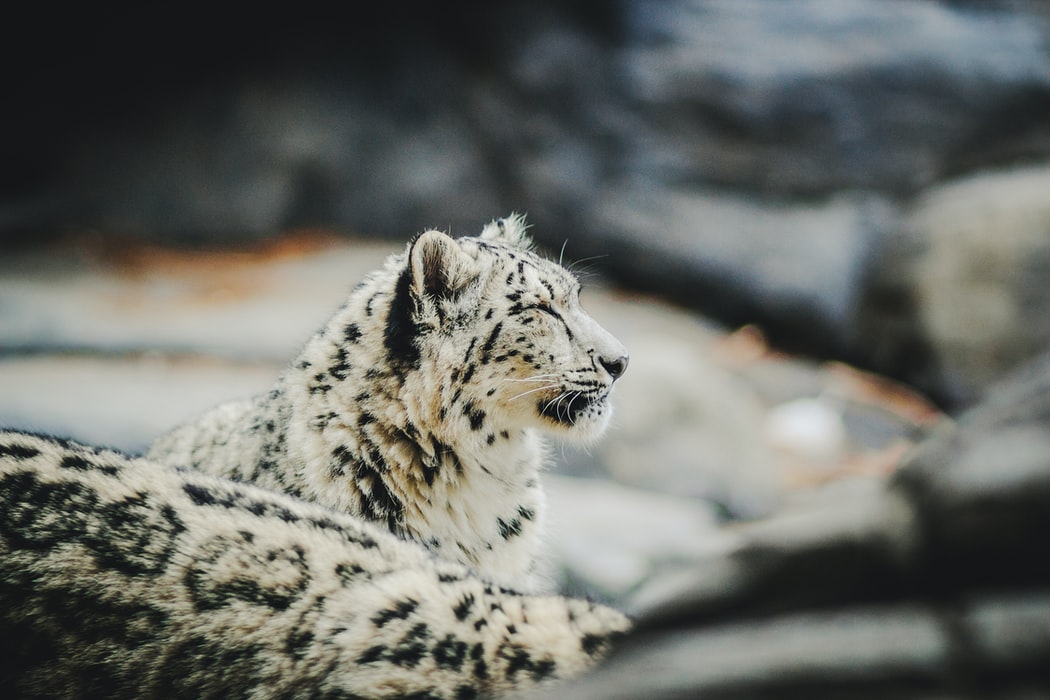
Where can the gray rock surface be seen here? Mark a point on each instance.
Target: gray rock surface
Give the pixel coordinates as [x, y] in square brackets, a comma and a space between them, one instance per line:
[122, 401]
[750, 162]
[683, 424]
[809, 98]
[608, 540]
[961, 287]
[113, 297]
[936, 586]
[794, 267]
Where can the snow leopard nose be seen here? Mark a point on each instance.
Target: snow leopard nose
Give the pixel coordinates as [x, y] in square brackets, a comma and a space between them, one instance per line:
[615, 367]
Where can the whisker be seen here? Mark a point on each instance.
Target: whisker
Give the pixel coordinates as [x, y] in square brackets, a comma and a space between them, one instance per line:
[556, 404]
[574, 263]
[576, 266]
[571, 416]
[551, 402]
[533, 391]
[536, 378]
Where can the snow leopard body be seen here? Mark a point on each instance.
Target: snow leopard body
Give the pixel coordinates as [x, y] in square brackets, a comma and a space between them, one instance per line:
[419, 405]
[125, 578]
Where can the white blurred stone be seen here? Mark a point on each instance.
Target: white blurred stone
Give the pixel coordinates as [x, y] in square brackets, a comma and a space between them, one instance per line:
[809, 428]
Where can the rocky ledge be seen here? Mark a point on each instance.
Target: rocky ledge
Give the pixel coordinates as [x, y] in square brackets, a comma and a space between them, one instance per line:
[934, 586]
[750, 507]
[801, 166]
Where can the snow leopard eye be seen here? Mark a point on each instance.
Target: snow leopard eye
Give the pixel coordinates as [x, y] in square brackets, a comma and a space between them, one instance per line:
[546, 307]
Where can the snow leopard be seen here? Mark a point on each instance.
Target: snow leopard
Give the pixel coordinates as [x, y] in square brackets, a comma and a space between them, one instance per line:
[124, 578]
[420, 404]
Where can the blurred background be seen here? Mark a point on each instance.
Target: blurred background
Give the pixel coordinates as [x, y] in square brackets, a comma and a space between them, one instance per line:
[821, 227]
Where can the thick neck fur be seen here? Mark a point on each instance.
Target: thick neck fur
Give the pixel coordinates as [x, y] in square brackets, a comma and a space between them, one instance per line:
[406, 443]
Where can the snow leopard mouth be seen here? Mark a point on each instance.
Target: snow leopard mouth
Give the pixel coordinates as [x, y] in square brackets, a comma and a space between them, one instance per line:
[567, 407]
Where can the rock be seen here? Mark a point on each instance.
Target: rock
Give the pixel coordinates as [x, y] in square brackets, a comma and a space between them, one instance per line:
[837, 553]
[138, 299]
[958, 296]
[981, 490]
[743, 161]
[121, 401]
[683, 424]
[1010, 635]
[807, 99]
[845, 431]
[811, 428]
[869, 652]
[606, 539]
[937, 585]
[793, 268]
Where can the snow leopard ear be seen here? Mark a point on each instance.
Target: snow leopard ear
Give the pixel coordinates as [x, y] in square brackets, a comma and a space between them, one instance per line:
[510, 230]
[439, 267]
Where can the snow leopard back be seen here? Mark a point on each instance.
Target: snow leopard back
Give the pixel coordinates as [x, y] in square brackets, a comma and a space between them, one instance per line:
[123, 578]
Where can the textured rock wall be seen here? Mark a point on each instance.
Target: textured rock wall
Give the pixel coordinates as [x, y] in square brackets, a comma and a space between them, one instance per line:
[778, 164]
[937, 586]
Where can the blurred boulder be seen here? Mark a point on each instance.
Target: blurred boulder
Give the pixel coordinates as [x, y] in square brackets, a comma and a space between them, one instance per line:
[742, 157]
[958, 295]
[683, 424]
[793, 267]
[937, 586]
[608, 540]
[807, 98]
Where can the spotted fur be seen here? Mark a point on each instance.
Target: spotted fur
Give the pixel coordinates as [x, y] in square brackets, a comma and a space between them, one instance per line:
[124, 578]
[418, 405]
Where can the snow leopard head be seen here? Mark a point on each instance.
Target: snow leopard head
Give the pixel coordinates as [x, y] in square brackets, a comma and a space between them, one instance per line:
[503, 329]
